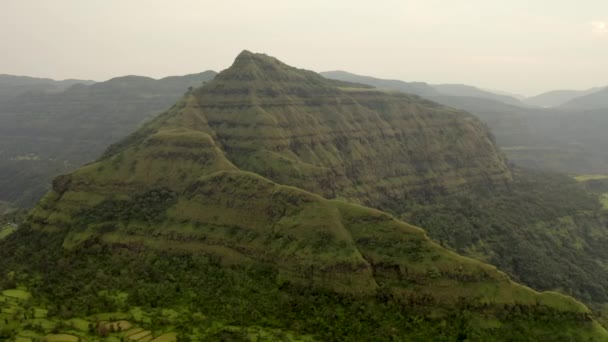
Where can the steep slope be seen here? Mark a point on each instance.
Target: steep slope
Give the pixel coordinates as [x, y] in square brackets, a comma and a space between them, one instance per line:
[295, 128]
[554, 139]
[46, 134]
[559, 243]
[167, 220]
[557, 98]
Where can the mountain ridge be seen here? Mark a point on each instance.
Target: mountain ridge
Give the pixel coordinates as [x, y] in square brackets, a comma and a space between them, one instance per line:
[46, 134]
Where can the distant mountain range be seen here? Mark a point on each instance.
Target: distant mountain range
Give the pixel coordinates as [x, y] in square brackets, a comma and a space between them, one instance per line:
[569, 138]
[11, 86]
[48, 127]
[557, 98]
[571, 99]
[470, 91]
[591, 100]
[421, 88]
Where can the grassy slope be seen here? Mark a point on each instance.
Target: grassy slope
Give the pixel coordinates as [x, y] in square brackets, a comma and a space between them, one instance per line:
[542, 229]
[546, 231]
[294, 127]
[170, 189]
[243, 220]
[167, 206]
[568, 140]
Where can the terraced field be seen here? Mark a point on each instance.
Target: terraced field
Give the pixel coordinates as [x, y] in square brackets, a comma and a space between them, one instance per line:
[18, 312]
[34, 324]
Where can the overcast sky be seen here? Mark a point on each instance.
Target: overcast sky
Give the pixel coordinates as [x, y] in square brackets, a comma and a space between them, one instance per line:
[521, 46]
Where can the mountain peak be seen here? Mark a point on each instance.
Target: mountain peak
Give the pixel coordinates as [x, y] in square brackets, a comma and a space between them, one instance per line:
[248, 56]
[257, 67]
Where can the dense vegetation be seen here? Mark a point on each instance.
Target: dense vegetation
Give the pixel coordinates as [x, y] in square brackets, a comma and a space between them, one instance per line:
[172, 221]
[211, 302]
[545, 231]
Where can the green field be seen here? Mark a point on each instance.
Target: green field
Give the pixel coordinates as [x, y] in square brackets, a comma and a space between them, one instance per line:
[17, 294]
[584, 178]
[21, 324]
[6, 231]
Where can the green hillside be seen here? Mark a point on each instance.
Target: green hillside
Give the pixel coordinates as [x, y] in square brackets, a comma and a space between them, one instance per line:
[568, 139]
[543, 229]
[296, 128]
[171, 235]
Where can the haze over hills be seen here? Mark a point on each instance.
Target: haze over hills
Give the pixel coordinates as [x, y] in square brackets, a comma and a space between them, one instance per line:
[595, 100]
[197, 211]
[470, 91]
[418, 88]
[11, 86]
[423, 89]
[557, 98]
[43, 134]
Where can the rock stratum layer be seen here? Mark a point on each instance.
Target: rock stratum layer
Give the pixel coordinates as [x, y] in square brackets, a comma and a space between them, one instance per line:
[337, 140]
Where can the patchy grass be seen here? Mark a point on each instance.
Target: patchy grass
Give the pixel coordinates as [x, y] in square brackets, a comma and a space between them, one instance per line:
[170, 337]
[79, 324]
[40, 313]
[61, 338]
[7, 230]
[584, 178]
[17, 294]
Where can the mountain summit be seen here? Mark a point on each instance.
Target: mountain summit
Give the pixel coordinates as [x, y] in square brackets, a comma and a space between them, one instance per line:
[216, 207]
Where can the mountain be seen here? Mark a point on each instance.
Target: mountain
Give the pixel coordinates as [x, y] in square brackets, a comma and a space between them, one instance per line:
[557, 98]
[488, 221]
[43, 134]
[560, 139]
[416, 88]
[422, 89]
[469, 91]
[12, 86]
[596, 100]
[174, 230]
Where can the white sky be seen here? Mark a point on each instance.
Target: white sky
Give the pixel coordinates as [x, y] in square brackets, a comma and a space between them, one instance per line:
[521, 46]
